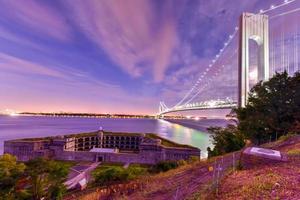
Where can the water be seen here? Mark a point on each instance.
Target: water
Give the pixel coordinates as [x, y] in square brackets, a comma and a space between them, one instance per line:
[13, 127]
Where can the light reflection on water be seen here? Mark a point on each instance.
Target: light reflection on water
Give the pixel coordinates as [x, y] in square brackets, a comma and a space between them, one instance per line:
[184, 135]
[25, 126]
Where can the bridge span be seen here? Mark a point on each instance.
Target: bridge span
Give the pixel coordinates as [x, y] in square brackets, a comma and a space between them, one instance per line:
[205, 105]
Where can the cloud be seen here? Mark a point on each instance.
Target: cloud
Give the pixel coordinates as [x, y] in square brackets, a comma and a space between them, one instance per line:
[129, 32]
[72, 90]
[14, 64]
[38, 16]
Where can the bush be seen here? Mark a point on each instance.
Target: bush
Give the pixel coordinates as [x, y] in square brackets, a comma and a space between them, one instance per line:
[105, 175]
[10, 173]
[181, 162]
[164, 166]
[193, 159]
[110, 174]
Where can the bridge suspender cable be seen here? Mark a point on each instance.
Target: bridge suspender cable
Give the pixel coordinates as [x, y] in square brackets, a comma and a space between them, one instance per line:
[216, 58]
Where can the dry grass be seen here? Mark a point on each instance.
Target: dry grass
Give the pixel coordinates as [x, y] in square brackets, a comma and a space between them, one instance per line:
[279, 181]
[293, 152]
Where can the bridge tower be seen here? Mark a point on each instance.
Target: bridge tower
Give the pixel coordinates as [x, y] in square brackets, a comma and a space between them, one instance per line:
[252, 27]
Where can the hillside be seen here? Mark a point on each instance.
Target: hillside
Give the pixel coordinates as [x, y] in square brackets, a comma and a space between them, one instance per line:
[217, 178]
[281, 180]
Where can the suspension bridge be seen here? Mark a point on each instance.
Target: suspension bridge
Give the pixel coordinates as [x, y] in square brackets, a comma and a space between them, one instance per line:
[262, 44]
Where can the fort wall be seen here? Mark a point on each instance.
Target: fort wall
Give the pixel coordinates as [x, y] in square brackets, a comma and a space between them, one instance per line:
[135, 148]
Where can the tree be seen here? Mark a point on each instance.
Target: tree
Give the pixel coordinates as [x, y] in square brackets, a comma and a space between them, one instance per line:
[46, 178]
[225, 140]
[10, 172]
[37, 170]
[272, 110]
[57, 174]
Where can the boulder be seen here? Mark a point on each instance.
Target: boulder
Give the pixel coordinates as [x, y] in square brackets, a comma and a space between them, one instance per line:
[256, 156]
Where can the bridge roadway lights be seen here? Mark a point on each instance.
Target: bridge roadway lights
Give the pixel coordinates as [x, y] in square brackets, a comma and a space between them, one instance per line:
[252, 27]
[223, 105]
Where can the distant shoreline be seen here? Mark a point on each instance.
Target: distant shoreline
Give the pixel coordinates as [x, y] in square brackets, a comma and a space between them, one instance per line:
[91, 115]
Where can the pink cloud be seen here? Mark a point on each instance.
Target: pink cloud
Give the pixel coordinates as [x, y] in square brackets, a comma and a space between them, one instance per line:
[17, 65]
[73, 91]
[129, 33]
[38, 16]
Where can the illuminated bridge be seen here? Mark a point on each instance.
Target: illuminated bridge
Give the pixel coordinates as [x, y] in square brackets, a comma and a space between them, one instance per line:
[212, 104]
[261, 44]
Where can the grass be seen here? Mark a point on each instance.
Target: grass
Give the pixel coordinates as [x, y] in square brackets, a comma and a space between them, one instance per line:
[280, 140]
[168, 143]
[260, 185]
[250, 185]
[293, 152]
[67, 163]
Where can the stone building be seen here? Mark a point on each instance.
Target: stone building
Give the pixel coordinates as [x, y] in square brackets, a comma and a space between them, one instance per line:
[101, 146]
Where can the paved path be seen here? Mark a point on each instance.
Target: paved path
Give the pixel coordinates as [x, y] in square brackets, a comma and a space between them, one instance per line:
[78, 173]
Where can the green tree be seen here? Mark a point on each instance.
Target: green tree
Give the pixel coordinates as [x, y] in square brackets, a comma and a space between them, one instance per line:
[272, 110]
[37, 170]
[46, 178]
[10, 173]
[57, 174]
[225, 140]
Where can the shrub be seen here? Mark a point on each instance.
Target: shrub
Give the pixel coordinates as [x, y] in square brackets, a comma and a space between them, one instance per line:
[105, 175]
[164, 166]
[193, 159]
[181, 162]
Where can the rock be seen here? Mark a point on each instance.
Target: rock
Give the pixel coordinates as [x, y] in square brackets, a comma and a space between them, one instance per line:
[256, 156]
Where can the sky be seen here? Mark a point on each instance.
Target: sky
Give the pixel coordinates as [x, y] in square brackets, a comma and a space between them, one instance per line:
[111, 56]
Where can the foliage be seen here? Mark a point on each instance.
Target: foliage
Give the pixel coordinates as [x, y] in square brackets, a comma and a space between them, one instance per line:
[57, 174]
[225, 140]
[46, 178]
[273, 108]
[272, 112]
[192, 159]
[164, 166]
[10, 173]
[105, 175]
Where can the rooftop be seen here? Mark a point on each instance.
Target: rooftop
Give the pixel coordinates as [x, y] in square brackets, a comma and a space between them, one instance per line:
[104, 150]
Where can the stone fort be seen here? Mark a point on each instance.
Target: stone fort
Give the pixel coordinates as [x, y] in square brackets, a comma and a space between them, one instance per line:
[102, 146]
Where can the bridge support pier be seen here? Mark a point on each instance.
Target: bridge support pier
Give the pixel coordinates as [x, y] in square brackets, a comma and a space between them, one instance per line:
[252, 27]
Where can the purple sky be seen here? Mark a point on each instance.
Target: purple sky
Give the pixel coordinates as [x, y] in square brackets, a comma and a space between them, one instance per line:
[110, 56]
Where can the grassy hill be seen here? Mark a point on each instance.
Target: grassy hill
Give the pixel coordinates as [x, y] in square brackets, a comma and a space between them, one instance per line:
[194, 181]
